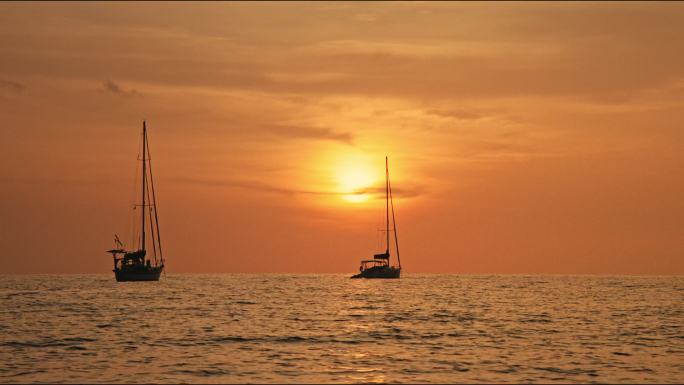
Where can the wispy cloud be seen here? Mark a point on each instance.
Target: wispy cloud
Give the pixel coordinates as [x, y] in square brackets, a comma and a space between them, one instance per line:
[443, 53]
[241, 183]
[265, 187]
[11, 86]
[456, 113]
[110, 86]
[472, 115]
[399, 192]
[307, 132]
[365, 17]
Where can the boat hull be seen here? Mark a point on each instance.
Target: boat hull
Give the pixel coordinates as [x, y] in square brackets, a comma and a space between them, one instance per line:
[383, 272]
[144, 274]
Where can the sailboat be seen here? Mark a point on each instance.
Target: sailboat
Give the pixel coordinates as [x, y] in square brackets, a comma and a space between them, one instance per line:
[136, 265]
[379, 266]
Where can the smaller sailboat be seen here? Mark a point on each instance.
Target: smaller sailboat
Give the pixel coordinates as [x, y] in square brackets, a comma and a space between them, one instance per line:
[137, 265]
[379, 266]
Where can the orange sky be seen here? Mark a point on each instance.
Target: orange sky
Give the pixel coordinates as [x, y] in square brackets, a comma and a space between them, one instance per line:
[523, 137]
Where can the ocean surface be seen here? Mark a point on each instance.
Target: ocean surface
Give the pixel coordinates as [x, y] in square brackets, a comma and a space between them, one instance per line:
[330, 329]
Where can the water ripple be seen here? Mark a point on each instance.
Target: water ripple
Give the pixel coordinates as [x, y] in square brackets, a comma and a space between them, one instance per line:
[327, 328]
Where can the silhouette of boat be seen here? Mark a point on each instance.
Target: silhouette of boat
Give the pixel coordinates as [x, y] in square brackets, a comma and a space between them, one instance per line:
[133, 265]
[379, 266]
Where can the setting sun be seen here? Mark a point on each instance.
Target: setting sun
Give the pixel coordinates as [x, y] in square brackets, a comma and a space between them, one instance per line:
[355, 174]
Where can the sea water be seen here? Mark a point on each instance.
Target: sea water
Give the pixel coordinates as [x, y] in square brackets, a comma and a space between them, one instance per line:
[332, 329]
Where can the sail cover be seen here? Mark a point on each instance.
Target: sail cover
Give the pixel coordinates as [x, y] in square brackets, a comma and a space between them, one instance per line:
[381, 256]
[140, 254]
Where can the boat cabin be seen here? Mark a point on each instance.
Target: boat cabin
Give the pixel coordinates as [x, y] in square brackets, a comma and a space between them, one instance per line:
[370, 263]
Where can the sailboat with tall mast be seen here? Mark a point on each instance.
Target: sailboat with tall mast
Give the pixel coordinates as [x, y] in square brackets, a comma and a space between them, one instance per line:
[379, 266]
[137, 265]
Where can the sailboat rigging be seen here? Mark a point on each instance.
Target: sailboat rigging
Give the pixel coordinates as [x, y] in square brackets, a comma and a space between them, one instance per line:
[134, 266]
[379, 266]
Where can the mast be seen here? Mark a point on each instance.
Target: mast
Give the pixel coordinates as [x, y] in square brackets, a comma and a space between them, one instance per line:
[394, 222]
[144, 175]
[154, 203]
[149, 210]
[387, 206]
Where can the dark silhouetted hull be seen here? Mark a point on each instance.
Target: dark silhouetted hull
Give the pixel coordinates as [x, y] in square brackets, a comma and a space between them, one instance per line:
[379, 272]
[146, 274]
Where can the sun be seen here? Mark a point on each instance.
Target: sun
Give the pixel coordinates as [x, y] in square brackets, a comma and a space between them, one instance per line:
[355, 176]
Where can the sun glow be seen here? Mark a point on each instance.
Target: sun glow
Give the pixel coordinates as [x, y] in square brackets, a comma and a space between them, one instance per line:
[355, 177]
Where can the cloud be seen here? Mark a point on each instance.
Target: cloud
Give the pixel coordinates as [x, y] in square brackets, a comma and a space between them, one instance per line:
[241, 183]
[461, 114]
[365, 17]
[114, 88]
[594, 51]
[307, 132]
[250, 185]
[399, 192]
[265, 187]
[11, 86]
[370, 48]
[475, 116]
